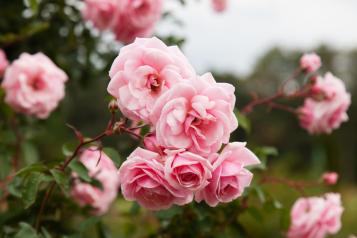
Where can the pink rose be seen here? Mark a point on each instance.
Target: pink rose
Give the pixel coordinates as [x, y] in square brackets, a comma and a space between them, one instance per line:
[143, 180]
[101, 168]
[330, 178]
[316, 217]
[219, 5]
[137, 18]
[142, 72]
[310, 62]
[327, 107]
[3, 62]
[186, 170]
[196, 115]
[34, 85]
[150, 143]
[101, 12]
[230, 177]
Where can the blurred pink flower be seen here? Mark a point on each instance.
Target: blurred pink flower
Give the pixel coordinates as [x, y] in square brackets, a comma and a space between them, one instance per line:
[143, 180]
[186, 170]
[330, 178]
[310, 62]
[101, 12]
[137, 18]
[230, 177]
[219, 5]
[101, 168]
[142, 72]
[3, 62]
[316, 217]
[196, 115]
[34, 85]
[327, 108]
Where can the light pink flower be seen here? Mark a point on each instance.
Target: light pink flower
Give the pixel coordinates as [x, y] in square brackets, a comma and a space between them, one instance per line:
[310, 62]
[34, 85]
[143, 180]
[196, 115]
[327, 108]
[3, 62]
[330, 178]
[101, 12]
[219, 5]
[186, 170]
[316, 217]
[151, 143]
[101, 168]
[230, 177]
[142, 72]
[137, 18]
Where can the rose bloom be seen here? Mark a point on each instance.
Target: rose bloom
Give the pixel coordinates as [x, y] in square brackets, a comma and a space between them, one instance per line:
[316, 217]
[143, 180]
[219, 5]
[186, 170]
[330, 178]
[150, 143]
[3, 62]
[101, 168]
[136, 19]
[34, 85]
[310, 62]
[196, 115]
[230, 177]
[142, 72]
[327, 107]
[100, 12]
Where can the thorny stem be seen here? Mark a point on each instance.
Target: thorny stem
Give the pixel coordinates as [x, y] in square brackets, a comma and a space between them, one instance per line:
[270, 101]
[299, 186]
[110, 129]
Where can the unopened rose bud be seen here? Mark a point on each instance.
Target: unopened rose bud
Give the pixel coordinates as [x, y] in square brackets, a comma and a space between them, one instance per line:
[330, 178]
[310, 62]
[113, 106]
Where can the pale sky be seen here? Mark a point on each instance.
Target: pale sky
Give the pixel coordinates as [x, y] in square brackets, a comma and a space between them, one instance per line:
[234, 40]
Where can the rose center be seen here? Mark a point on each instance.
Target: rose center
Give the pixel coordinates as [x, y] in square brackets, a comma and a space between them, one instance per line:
[187, 178]
[153, 82]
[37, 84]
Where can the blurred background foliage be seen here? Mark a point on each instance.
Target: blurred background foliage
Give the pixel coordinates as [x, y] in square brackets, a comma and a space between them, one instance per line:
[55, 28]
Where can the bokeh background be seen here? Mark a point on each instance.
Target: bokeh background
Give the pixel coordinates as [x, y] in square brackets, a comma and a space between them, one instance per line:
[254, 45]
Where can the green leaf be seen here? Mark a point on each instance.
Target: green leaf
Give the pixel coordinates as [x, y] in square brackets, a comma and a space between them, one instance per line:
[260, 193]
[80, 170]
[244, 122]
[14, 188]
[255, 213]
[113, 155]
[29, 153]
[61, 179]
[87, 223]
[30, 188]
[30, 169]
[103, 231]
[68, 148]
[26, 231]
[169, 213]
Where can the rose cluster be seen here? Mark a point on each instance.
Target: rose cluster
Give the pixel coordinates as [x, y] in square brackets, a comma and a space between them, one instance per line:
[127, 19]
[316, 217]
[190, 116]
[326, 106]
[33, 84]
